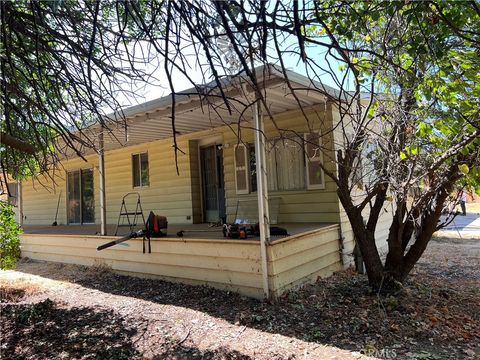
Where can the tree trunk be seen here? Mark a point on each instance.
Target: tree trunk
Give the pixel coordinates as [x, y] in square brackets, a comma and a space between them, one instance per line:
[399, 265]
[394, 260]
[429, 225]
[366, 243]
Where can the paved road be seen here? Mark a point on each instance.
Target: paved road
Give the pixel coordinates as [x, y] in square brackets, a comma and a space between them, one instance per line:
[465, 226]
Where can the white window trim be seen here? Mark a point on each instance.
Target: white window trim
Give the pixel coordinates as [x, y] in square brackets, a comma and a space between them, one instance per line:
[245, 168]
[140, 169]
[318, 158]
[79, 170]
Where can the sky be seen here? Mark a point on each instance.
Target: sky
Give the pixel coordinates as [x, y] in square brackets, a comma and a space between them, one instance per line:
[159, 87]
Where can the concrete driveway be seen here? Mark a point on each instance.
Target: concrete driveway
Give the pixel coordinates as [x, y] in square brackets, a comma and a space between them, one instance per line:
[463, 226]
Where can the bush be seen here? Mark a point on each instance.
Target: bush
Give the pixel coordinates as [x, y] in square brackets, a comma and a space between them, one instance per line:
[9, 239]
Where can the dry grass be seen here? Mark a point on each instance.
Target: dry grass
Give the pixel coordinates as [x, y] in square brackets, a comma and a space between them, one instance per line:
[15, 291]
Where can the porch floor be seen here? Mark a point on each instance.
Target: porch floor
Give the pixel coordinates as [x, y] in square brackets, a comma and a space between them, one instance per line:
[191, 231]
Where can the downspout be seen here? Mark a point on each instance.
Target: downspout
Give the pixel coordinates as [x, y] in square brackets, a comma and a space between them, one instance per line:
[262, 194]
[101, 172]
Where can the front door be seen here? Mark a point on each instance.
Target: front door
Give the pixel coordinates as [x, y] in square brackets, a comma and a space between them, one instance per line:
[80, 199]
[211, 159]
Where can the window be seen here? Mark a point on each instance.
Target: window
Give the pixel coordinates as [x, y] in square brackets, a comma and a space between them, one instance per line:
[285, 165]
[288, 165]
[80, 197]
[313, 161]
[371, 162]
[140, 170]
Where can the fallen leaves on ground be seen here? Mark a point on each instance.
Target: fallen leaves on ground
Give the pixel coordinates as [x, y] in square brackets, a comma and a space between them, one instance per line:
[95, 313]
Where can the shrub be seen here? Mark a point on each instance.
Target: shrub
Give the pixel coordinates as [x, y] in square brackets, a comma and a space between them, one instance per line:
[9, 239]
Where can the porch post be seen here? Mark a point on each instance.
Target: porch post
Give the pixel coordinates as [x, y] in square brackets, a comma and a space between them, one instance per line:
[101, 172]
[262, 194]
[19, 204]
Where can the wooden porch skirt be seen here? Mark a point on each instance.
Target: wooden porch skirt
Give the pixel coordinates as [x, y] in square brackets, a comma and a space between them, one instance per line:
[232, 265]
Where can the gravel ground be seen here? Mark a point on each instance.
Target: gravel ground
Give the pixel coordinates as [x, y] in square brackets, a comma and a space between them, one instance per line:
[60, 311]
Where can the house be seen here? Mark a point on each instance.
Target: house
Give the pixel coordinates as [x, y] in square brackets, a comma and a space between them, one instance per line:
[224, 169]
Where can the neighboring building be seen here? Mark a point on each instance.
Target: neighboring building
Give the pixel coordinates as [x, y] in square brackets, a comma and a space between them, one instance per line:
[216, 180]
[10, 190]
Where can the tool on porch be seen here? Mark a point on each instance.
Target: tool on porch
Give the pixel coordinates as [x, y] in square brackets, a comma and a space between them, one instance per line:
[274, 230]
[234, 231]
[156, 226]
[126, 214]
[58, 205]
[244, 224]
[122, 239]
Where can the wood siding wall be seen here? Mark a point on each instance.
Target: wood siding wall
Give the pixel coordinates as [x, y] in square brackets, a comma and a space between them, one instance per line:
[232, 265]
[384, 221]
[229, 265]
[168, 194]
[178, 196]
[304, 258]
[293, 206]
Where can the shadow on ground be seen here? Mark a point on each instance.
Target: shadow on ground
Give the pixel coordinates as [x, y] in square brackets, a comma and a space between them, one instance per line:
[46, 330]
[29, 330]
[187, 353]
[338, 311]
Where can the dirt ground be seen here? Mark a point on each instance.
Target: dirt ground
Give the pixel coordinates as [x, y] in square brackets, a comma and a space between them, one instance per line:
[54, 311]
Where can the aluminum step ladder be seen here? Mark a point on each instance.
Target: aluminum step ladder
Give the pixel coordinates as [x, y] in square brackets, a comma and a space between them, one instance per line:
[131, 217]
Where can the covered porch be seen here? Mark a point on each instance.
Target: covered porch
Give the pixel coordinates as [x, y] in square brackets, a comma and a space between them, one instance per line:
[180, 187]
[200, 257]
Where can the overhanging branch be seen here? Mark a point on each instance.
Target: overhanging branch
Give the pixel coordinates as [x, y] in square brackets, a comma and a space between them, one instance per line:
[16, 143]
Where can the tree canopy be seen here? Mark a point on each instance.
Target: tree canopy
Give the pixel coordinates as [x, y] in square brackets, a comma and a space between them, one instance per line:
[64, 65]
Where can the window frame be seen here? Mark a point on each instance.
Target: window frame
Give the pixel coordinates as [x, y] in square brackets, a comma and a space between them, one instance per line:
[307, 185]
[279, 164]
[318, 158]
[80, 171]
[139, 155]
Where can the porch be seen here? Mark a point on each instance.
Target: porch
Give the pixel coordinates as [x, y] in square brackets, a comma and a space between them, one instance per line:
[200, 257]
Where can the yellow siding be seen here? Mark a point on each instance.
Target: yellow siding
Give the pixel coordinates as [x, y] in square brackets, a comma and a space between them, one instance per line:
[178, 196]
[230, 265]
[41, 196]
[225, 264]
[303, 258]
[384, 221]
[294, 206]
[381, 233]
[168, 194]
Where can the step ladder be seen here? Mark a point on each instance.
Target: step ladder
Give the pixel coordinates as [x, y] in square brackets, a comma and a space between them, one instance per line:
[131, 217]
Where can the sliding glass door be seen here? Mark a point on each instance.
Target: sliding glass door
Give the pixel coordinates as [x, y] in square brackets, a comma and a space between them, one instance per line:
[80, 197]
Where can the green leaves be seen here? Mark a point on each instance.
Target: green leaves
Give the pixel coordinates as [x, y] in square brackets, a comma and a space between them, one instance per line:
[424, 129]
[9, 237]
[464, 169]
